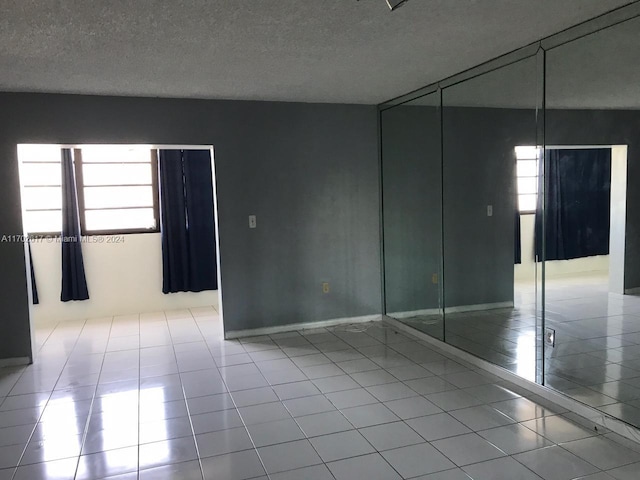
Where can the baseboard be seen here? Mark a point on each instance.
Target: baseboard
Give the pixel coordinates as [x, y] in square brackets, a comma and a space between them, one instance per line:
[632, 291]
[415, 313]
[14, 362]
[478, 307]
[593, 416]
[254, 332]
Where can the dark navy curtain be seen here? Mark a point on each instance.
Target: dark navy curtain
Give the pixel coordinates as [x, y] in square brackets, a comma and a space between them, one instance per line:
[517, 239]
[187, 221]
[578, 196]
[74, 283]
[34, 288]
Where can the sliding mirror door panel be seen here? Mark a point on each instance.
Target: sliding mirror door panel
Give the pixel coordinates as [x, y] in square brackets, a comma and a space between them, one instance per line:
[412, 213]
[490, 182]
[593, 228]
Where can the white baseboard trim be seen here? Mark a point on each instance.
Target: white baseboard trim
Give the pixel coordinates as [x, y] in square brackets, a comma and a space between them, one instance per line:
[478, 307]
[592, 415]
[14, 362]
[253, 332]
[632, 291]
[415, 313]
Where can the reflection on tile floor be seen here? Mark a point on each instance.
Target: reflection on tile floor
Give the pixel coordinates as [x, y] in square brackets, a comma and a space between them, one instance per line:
[163, 396]
[596, 359]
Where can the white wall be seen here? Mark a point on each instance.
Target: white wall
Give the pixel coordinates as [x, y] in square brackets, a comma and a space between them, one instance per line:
[555, 268]
[122, 278]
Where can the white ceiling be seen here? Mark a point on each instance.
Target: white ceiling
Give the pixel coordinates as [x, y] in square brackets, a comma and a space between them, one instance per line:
[304, 50]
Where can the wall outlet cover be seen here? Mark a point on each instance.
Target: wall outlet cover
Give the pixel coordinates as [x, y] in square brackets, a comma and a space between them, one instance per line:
[550, 337]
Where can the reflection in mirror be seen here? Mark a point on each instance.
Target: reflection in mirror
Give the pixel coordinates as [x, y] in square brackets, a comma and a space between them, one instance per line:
[412, 213]
[489, 189]
[592, 237]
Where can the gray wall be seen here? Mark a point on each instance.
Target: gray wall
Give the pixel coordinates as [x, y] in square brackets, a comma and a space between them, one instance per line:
[412, 207]
[308, 171]
[479, 170]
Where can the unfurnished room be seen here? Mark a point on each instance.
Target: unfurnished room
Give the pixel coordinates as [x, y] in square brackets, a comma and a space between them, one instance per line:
[320, 240]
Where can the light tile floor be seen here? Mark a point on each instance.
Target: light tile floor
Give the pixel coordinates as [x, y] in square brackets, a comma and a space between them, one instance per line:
[596, 359]
[163, 396]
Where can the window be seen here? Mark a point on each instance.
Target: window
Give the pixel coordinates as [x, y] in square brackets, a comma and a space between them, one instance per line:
[42, 194]
[527, 173]
[117, 188]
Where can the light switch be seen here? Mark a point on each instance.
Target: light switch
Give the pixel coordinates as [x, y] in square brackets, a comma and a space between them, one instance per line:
[252, 221]
[489, 210]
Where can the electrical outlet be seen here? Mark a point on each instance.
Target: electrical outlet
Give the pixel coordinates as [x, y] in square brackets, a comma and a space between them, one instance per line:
[325, 287]
[252, 221]
[434, 278]
[550, 337]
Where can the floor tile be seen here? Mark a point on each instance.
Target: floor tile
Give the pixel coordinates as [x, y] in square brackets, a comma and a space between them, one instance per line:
[507, 467]
[168, 451]
[233, 466]
[453, 474]
[467, 449]
[373, 377]
[412, 407]
[481, 417]
[323, 423]
[438, 426]
[55, 470]
[222, 442]
[335, 384]
[254, 396]
[368, 415]
[391, 391]
[429, 385]
[214, 421]
[337, 446]
[628, 472]
[351, 398]
[296, 390]
[107, 464]
[366, 467]
[555, 463]
[453, 400]
[316, 472]
[558, 429]
[281, 431]
[514, 438]
[165, 430]
[288, 456]
[391, 435]
[521, 409]
[177, 471]
[265, 412]
[299, 407]
[415, 460]
[210, 403]
[602, 453]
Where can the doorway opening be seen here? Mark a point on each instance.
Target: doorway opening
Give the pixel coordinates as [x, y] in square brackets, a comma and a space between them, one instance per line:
[121, 214]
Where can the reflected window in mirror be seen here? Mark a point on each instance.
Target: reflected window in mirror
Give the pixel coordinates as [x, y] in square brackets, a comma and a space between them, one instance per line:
[527, 172]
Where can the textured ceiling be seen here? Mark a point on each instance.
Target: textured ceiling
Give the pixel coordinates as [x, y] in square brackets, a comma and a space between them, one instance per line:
[304, 50]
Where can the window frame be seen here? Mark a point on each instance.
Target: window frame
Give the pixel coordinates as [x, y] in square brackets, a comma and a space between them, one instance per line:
[77, 157]
[40, 234]
[537, 177]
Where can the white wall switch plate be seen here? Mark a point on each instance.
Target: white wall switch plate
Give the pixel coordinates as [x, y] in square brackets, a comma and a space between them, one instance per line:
[252, 221]
[489, 210]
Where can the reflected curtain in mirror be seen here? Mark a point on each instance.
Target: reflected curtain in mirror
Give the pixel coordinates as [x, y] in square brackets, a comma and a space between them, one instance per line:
[187, 221]
[578, 192]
